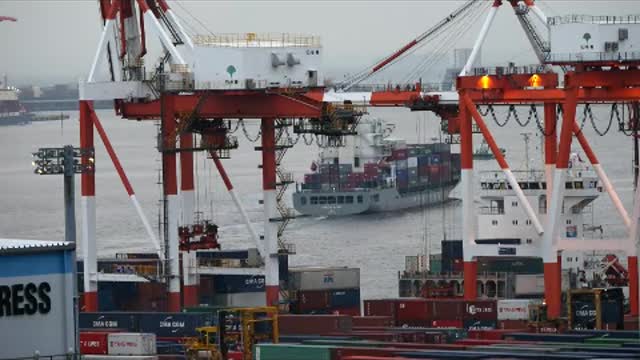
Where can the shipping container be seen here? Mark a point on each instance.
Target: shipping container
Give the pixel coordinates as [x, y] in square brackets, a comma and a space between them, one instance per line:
[108, 321]
[527, 285]
[411, 264]
[346, 298]
[516, 266]
[246, 299]
[412, 162]
[400, 154]
[451, 249]
[382, 307]
[228, 284]
[314, 324]
[351, 311]
[112, 357]
[174, 325]
[303, 279]
[515, 309]
[93, 343]
[372, 321]
[131, 344]
[513, 325]
[447, 309]
[309, 301]
[292, 352]
[480, 310]
[401, 165]
[447, 324]
[480, 324]
[413, 312]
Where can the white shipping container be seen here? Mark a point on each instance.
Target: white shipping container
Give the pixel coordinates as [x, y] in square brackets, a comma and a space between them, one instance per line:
[515, 309]
[246, 299]
[306, 279]
[411, 264]
[529, 284]
[131, 344]
[413, 162]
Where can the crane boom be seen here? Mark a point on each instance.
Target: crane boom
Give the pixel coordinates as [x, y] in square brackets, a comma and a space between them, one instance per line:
[422, 37]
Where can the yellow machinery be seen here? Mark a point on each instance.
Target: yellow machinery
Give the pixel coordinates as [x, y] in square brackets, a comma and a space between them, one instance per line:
[242, 328]
[205, 346]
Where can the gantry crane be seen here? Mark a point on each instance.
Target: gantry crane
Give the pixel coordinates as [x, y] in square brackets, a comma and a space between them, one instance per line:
[187, 102]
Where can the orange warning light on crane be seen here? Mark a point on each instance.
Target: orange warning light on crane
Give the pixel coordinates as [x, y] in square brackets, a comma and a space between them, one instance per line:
[485, 82]
[535, 81]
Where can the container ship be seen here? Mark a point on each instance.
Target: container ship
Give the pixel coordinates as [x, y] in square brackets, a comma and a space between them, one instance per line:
[11, 110]
[381, 174]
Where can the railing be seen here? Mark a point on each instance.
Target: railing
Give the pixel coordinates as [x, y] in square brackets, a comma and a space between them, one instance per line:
[510, 70]
[589, 19]
[487, 210]
[239, 40]
[593, 57]
[400, 87]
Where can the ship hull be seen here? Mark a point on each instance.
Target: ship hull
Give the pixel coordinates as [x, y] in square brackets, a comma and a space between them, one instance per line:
[366, 201]
[16, 119]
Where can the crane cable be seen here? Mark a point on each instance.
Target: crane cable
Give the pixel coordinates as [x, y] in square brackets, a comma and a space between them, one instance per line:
[442, 41]
[439, 28]
[458, 30]
[194, 18]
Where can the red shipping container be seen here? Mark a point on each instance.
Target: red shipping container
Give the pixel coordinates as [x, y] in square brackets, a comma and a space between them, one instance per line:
[314, 324]
[447, 309]
[93, 343]
[352, 311]
[386, 307]
[372, 321]
[491, 334]
[513, 325]
[480, 310]
[447, 324]
[313, 300]
[457, 266]
[413, 312]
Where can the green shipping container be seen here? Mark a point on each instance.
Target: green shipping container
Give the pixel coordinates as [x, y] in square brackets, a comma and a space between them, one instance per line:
[292, 352]
[436, 266]
[516, 266]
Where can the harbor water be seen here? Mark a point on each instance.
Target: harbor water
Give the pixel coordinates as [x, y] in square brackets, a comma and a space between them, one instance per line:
[32, 205]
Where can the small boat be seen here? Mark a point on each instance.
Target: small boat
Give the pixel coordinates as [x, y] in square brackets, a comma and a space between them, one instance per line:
[483, 152]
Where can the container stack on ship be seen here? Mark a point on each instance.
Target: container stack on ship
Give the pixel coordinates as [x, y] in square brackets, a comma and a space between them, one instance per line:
[377, 173]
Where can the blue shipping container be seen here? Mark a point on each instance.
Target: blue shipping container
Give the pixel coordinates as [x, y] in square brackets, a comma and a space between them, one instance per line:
[480, 324]
[108, 321]
[230, 284]
[344, 298]
[402, 174]
[174, 325]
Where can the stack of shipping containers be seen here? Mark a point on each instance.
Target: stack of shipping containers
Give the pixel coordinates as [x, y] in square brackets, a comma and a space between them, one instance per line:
[437, 313]
[325, 290]
[414, 168]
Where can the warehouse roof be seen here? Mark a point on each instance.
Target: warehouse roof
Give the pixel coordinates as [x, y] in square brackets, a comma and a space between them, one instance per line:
[8, 246]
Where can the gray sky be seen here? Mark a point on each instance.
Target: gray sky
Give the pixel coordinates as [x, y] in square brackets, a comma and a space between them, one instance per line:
[54, 40]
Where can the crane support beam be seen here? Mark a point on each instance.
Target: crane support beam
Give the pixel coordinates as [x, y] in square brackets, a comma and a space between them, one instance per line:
[125, 181]
[236, 200]
[481, 38]
[606, 183]
[247, 105]
[470, 107]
